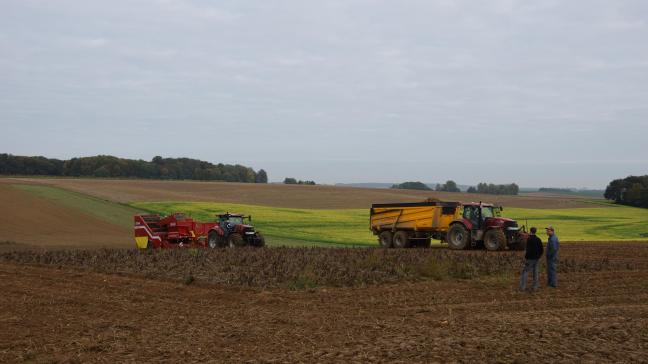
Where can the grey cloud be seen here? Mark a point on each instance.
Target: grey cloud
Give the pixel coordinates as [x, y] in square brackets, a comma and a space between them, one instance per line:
[302, 87]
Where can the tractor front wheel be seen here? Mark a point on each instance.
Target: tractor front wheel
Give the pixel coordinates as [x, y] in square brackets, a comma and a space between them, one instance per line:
[213, 240]
[385, 239]
[236, 241]
[458, 237]
[494, 239]
[260, 241]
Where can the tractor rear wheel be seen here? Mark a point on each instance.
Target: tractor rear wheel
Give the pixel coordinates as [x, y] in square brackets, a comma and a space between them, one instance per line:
[494, 239]
[385, 239]
[236, 240]
[401, 239]
[213, 240]
[458, 237]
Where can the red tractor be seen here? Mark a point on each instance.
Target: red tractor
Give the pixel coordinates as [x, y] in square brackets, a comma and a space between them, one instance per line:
[179, 231]
[480, 223]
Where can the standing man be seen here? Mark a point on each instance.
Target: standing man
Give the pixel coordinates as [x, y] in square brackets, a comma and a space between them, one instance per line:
[552, 257]
[532, 256]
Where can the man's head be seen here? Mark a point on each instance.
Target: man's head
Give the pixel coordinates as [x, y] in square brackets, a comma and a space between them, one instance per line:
[533, 231]
[550, 230]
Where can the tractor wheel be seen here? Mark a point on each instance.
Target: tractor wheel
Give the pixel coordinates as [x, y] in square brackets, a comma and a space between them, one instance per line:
[494, 239]
[236, 241]
[386, 239]
[213, 240]
[401, 239]
[519, 243]
[260, 240]
[458, 237]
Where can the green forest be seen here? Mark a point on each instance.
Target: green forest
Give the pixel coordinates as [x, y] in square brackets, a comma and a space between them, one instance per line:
[110, 166]
[631, 191]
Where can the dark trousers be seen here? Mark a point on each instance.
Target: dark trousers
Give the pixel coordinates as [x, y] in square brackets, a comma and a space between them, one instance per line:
[552, 274]
[530, 265]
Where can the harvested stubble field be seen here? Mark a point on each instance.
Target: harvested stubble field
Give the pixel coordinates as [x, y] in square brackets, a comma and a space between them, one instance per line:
[297, 268]
[322, 305]
[277, 195]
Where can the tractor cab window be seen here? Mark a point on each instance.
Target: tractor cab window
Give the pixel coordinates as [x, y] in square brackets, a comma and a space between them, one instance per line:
[235, 220]
[487, 212]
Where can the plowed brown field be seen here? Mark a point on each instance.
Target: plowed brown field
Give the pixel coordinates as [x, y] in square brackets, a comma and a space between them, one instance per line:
[39, 222]
[326, 197]
[62, 313]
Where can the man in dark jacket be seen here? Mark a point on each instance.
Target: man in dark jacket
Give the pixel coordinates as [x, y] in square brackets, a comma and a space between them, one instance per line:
[533, 253]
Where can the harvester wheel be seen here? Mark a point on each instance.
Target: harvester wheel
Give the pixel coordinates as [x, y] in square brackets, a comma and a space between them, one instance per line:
[401, 239]
[386, 239]
[236, 240]
[458, 237]
[213, 240]
[494, 239]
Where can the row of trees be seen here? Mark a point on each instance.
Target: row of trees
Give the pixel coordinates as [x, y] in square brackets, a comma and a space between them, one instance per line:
[493, 189]
[631, 191]
[412, 186]
[449, 186]
[109, 166]
[292, 181]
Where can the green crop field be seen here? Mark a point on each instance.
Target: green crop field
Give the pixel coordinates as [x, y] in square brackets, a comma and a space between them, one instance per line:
[283, 226]
[589, 224]
[351, 227]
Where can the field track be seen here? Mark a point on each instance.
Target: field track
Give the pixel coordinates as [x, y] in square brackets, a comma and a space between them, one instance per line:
[66, 314]
[34, 221]
[315, 197]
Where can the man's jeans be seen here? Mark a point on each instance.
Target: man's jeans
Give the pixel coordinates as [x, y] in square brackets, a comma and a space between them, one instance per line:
[552, 275]
[530, 265]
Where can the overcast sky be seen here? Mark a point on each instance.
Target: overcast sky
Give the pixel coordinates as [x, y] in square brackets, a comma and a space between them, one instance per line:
[542, 93]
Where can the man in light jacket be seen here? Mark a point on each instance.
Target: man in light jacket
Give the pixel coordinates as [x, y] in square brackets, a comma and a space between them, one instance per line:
[552, 257]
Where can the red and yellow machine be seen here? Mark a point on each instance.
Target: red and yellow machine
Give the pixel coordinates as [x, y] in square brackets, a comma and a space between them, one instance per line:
[153, 231]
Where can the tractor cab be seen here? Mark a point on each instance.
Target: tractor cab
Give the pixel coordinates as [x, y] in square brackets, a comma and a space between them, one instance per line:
[234, 222]
[481, 215]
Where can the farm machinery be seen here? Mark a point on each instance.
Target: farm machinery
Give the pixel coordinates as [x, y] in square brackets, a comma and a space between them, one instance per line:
[153, 231]
[460, 225]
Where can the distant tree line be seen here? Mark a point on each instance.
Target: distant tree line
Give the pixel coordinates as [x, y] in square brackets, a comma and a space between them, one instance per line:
[412, 186]
[293, 181]
[631, 191]
[493, 189]
[109, 166]
[449, 186]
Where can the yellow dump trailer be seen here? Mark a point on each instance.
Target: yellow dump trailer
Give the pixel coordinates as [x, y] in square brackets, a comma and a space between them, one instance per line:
[403, 225]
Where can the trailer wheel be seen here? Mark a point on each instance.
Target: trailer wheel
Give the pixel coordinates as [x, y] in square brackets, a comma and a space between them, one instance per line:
[494, 239]
[236, 241]
[386, 239]
[458, 237]
[401, 239]
[213, 240]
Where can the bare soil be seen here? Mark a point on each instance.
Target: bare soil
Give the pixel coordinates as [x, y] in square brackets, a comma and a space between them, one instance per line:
[32, 221]
[290, 196]
[66, 314]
